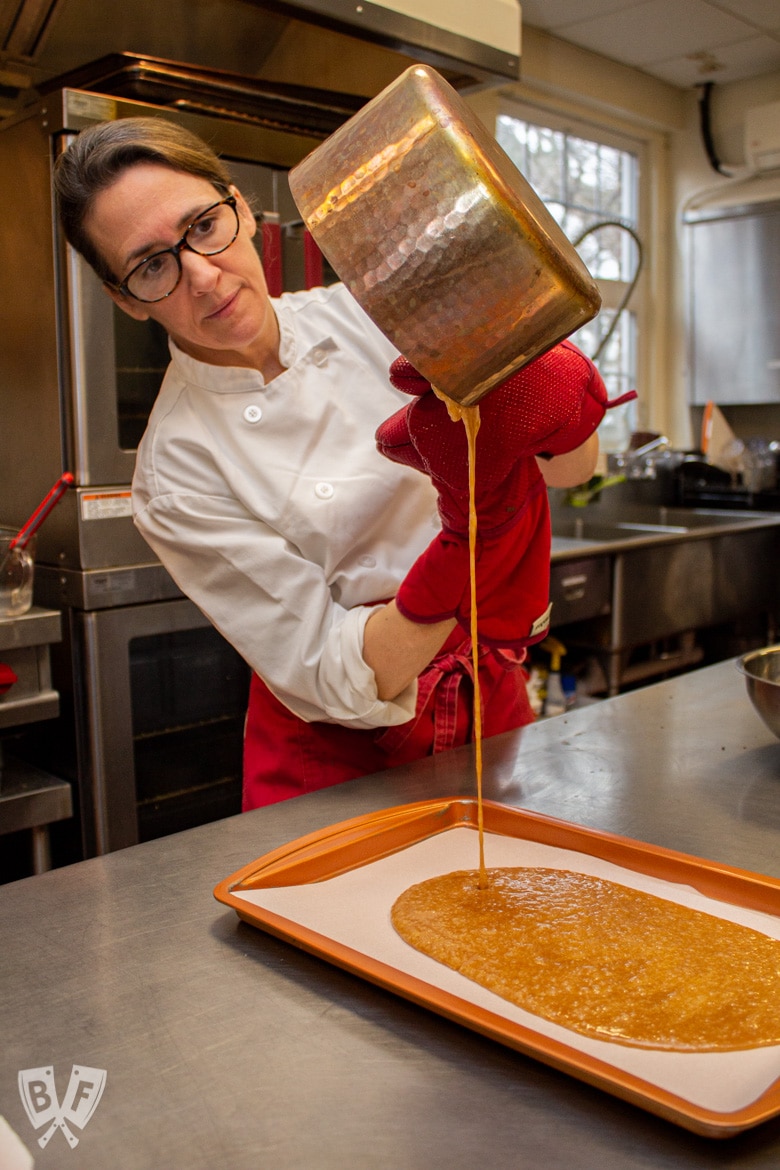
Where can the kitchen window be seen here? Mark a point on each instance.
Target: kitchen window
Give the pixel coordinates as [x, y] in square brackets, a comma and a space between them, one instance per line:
[590, 184]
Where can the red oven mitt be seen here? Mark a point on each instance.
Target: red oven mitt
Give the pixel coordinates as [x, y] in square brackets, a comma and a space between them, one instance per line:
[512, 579]
[548, 408]
[513, 534]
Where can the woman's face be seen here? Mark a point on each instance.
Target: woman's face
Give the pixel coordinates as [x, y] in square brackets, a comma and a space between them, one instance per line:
[220, 312]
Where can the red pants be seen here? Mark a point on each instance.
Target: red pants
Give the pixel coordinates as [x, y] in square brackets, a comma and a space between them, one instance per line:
[284, 756]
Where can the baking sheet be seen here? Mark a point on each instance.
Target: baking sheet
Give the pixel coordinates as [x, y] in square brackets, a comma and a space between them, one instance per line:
[712, 1093]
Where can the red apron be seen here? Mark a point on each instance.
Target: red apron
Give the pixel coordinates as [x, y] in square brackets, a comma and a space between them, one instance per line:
[284, 756]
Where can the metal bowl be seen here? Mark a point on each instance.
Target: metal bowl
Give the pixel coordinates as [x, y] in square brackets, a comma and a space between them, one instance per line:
[761, 669]
[440, 239]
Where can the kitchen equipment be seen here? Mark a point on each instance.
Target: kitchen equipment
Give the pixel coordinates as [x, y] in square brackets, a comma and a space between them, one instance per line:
[761, 669]
[701, 485]
[440, 238]
[16, 575]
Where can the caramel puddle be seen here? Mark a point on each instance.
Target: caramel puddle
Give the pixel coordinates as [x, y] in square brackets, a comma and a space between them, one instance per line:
[609, 962]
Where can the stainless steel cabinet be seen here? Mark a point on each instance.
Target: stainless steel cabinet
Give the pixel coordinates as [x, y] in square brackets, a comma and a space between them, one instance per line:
[734, 304]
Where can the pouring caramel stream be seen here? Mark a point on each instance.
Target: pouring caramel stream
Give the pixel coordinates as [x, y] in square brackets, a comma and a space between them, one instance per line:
[471, 421]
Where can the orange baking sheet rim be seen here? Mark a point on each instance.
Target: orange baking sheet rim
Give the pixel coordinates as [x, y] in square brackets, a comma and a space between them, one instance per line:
[362, 840]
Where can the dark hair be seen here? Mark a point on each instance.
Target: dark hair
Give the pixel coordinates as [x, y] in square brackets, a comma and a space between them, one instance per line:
[101, 153]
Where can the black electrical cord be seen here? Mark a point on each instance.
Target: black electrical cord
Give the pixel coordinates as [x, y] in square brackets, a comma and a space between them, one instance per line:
[705, 123]
[618, 223]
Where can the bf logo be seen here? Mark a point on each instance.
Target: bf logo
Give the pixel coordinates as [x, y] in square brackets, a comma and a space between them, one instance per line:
[39, 1097]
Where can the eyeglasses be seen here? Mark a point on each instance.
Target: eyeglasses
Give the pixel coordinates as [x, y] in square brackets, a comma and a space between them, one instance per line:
[156, 277]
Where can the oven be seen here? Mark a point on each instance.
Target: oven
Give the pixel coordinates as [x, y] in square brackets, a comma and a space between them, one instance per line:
[152, 706]
[78, 377]
[153, 699]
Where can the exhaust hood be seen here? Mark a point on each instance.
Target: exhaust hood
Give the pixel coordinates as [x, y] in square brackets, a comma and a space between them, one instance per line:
[461, 32]
[354, 46]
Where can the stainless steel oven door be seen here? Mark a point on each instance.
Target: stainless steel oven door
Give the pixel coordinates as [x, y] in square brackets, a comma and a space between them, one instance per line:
[160, 722]
[115, 364]
[115, 367]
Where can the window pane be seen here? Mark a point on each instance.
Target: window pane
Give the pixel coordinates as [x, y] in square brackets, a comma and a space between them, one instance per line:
[585, 183]
[582, 173]
[604, 253]
[616, 362]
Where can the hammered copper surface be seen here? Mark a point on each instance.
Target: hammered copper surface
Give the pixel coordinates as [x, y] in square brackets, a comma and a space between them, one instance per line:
[440, 238]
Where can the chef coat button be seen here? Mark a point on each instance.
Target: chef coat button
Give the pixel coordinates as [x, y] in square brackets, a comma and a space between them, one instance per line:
[319, 357]
[253, 414]
[324, 490]
[367, 561]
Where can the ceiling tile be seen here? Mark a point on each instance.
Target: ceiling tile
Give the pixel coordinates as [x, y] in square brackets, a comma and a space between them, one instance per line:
[645, 32]
[551, 14]
[736, 62]
[763, 14]
[663, 37]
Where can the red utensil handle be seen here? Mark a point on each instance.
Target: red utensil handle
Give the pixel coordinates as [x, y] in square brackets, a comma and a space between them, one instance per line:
[42, 511]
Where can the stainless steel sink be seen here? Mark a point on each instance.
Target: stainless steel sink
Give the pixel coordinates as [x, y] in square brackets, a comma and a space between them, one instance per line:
[684, 519]
[642, 522]
[661, 572]
[578, 528]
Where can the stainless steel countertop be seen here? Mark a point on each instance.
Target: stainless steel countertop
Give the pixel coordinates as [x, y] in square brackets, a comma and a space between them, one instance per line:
[227, 1048]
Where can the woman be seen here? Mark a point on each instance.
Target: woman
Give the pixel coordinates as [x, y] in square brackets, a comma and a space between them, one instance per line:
[260, 487]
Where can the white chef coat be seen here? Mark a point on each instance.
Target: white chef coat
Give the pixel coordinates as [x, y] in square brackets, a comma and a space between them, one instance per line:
[272, 510]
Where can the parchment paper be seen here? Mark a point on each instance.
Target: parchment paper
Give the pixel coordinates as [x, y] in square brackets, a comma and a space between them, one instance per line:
[354, 909]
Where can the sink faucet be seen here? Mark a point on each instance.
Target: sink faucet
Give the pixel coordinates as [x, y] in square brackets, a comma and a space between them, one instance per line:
[641, 462]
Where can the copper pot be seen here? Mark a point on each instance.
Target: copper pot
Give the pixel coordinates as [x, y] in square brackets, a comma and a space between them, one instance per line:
[440, 238]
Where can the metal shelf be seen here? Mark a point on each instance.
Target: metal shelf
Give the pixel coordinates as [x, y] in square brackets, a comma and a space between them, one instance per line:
[29, 797]
[32, 799]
